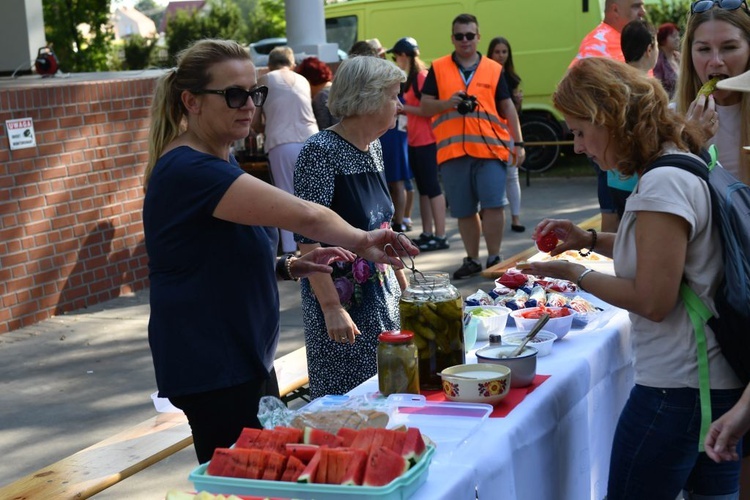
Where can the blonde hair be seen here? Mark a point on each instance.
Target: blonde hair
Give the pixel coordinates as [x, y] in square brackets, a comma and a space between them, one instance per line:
[359, 86]
[688, 83]
[633, 107]
[191, 73]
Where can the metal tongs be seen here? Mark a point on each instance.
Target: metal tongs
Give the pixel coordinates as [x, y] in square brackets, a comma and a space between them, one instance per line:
[412, 267]
[532, 333]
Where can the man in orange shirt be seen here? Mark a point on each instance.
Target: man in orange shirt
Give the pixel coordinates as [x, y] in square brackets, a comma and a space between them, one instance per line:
[604, 41]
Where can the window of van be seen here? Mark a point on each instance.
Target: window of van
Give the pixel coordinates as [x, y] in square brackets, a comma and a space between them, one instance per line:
[342, 30]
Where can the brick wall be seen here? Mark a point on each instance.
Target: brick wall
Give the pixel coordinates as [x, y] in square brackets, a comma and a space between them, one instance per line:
[70, 208]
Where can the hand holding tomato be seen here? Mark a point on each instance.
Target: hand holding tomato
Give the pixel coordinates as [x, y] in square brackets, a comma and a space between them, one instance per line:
[547, 243]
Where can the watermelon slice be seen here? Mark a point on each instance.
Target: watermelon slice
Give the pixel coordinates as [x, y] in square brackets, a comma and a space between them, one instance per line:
[256, 463]
[399, 438]
[413, 446]
[355, 469]
[364, 439]
[303, 452]
[311, 469]
[294, 435]
[347, 434]
[338, 459]
[383, 466]
[237, 465]
[220, 461]
[321, 475]
[274, 467]
[247, 437]
[321, 438]
[293, 469]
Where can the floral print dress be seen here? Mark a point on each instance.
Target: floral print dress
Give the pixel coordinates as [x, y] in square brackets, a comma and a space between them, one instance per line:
[332, 172]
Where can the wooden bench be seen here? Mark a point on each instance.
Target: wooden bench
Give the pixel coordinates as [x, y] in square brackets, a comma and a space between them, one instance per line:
[498, 269]
[108, 462]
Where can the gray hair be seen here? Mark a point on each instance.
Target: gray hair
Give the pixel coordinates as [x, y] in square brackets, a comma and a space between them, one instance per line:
[280, 57]
[359, 86]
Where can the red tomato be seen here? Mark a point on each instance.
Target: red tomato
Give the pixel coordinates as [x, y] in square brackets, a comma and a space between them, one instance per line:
[547, 243]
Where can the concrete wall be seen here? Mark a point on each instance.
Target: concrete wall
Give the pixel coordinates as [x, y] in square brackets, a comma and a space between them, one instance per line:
[70, 208]
[21, 34]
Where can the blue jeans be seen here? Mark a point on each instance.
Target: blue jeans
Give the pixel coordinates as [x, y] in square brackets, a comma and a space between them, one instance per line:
[655, 450]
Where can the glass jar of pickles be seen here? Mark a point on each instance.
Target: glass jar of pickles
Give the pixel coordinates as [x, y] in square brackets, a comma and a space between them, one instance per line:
[432, 308]
[398, 371]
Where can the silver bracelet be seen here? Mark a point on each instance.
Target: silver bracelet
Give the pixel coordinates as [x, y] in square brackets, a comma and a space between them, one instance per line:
[581, 276]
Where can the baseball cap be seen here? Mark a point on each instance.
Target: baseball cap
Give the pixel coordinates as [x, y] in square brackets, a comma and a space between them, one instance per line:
[740, 83]
[406, 45]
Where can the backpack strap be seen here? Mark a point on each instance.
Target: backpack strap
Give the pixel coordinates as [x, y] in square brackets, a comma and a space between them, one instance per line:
[699, 314]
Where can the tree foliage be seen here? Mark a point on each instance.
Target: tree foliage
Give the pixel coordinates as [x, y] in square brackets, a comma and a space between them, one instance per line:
[222, 19]
[138, 52]
[79, 32]
[266, 20]
[669, 11]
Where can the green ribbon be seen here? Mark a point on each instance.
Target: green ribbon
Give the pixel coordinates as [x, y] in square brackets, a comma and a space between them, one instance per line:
[699, 315]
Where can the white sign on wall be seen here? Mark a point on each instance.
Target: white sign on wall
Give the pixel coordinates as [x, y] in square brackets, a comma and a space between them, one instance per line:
[21, 133]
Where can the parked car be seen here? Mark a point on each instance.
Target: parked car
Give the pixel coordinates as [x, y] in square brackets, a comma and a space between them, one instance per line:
[259, 50]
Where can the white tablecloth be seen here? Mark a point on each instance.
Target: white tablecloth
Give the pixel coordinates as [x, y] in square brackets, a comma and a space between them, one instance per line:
[556, 443]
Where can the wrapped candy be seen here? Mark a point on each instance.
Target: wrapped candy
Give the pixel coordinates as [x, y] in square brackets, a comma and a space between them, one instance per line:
[581, 305]
[537, 297]
[517, 300]
[480, 298]
[556, 299]
[512, 278]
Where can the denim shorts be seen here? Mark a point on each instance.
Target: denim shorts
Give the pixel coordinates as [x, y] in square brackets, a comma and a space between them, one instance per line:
[473, 182]
[655, 449]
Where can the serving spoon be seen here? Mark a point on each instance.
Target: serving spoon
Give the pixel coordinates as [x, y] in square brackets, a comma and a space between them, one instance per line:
[532, 333]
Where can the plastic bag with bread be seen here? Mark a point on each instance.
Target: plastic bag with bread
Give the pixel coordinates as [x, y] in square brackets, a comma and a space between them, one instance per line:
[356, 412]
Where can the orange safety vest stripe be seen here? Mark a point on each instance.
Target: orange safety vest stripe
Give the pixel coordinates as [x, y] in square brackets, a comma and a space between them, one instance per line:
[481, 133]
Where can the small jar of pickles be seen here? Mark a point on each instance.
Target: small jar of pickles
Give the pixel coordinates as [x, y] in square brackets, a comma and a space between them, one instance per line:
[398, 371]
[432, 308]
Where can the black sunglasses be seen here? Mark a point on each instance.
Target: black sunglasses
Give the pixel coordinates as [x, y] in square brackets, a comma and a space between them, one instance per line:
[460, 36]
[237, 97]
[704, 5]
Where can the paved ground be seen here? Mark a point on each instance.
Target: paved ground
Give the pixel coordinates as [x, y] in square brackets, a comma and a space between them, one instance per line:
[74, 380]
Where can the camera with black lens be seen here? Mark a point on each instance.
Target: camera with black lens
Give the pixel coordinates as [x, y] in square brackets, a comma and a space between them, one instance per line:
[467, 104]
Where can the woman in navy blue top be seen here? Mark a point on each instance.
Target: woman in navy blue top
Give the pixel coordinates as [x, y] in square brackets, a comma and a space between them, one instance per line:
[214, 322]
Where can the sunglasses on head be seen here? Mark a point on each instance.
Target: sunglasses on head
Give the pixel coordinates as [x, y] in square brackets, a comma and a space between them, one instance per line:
[704, 5]
[237, 97]
[460, 36]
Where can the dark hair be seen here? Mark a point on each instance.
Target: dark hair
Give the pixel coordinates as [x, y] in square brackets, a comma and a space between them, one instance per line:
[508, 67]
[636, 37]
[362, 48]
[665, 31]
[316, 71]
[465, 19]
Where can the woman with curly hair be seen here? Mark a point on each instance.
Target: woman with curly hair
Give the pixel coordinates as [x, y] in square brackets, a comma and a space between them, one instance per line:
[717, 45]
[621, 119]
[342, 168]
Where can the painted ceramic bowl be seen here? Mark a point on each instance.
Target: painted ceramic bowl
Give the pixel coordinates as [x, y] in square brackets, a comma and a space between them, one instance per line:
[475, 383]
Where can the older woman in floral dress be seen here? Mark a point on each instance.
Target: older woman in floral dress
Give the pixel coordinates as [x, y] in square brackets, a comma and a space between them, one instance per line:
[342, 168]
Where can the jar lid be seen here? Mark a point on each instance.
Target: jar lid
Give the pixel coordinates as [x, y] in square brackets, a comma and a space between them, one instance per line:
[396, 336]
